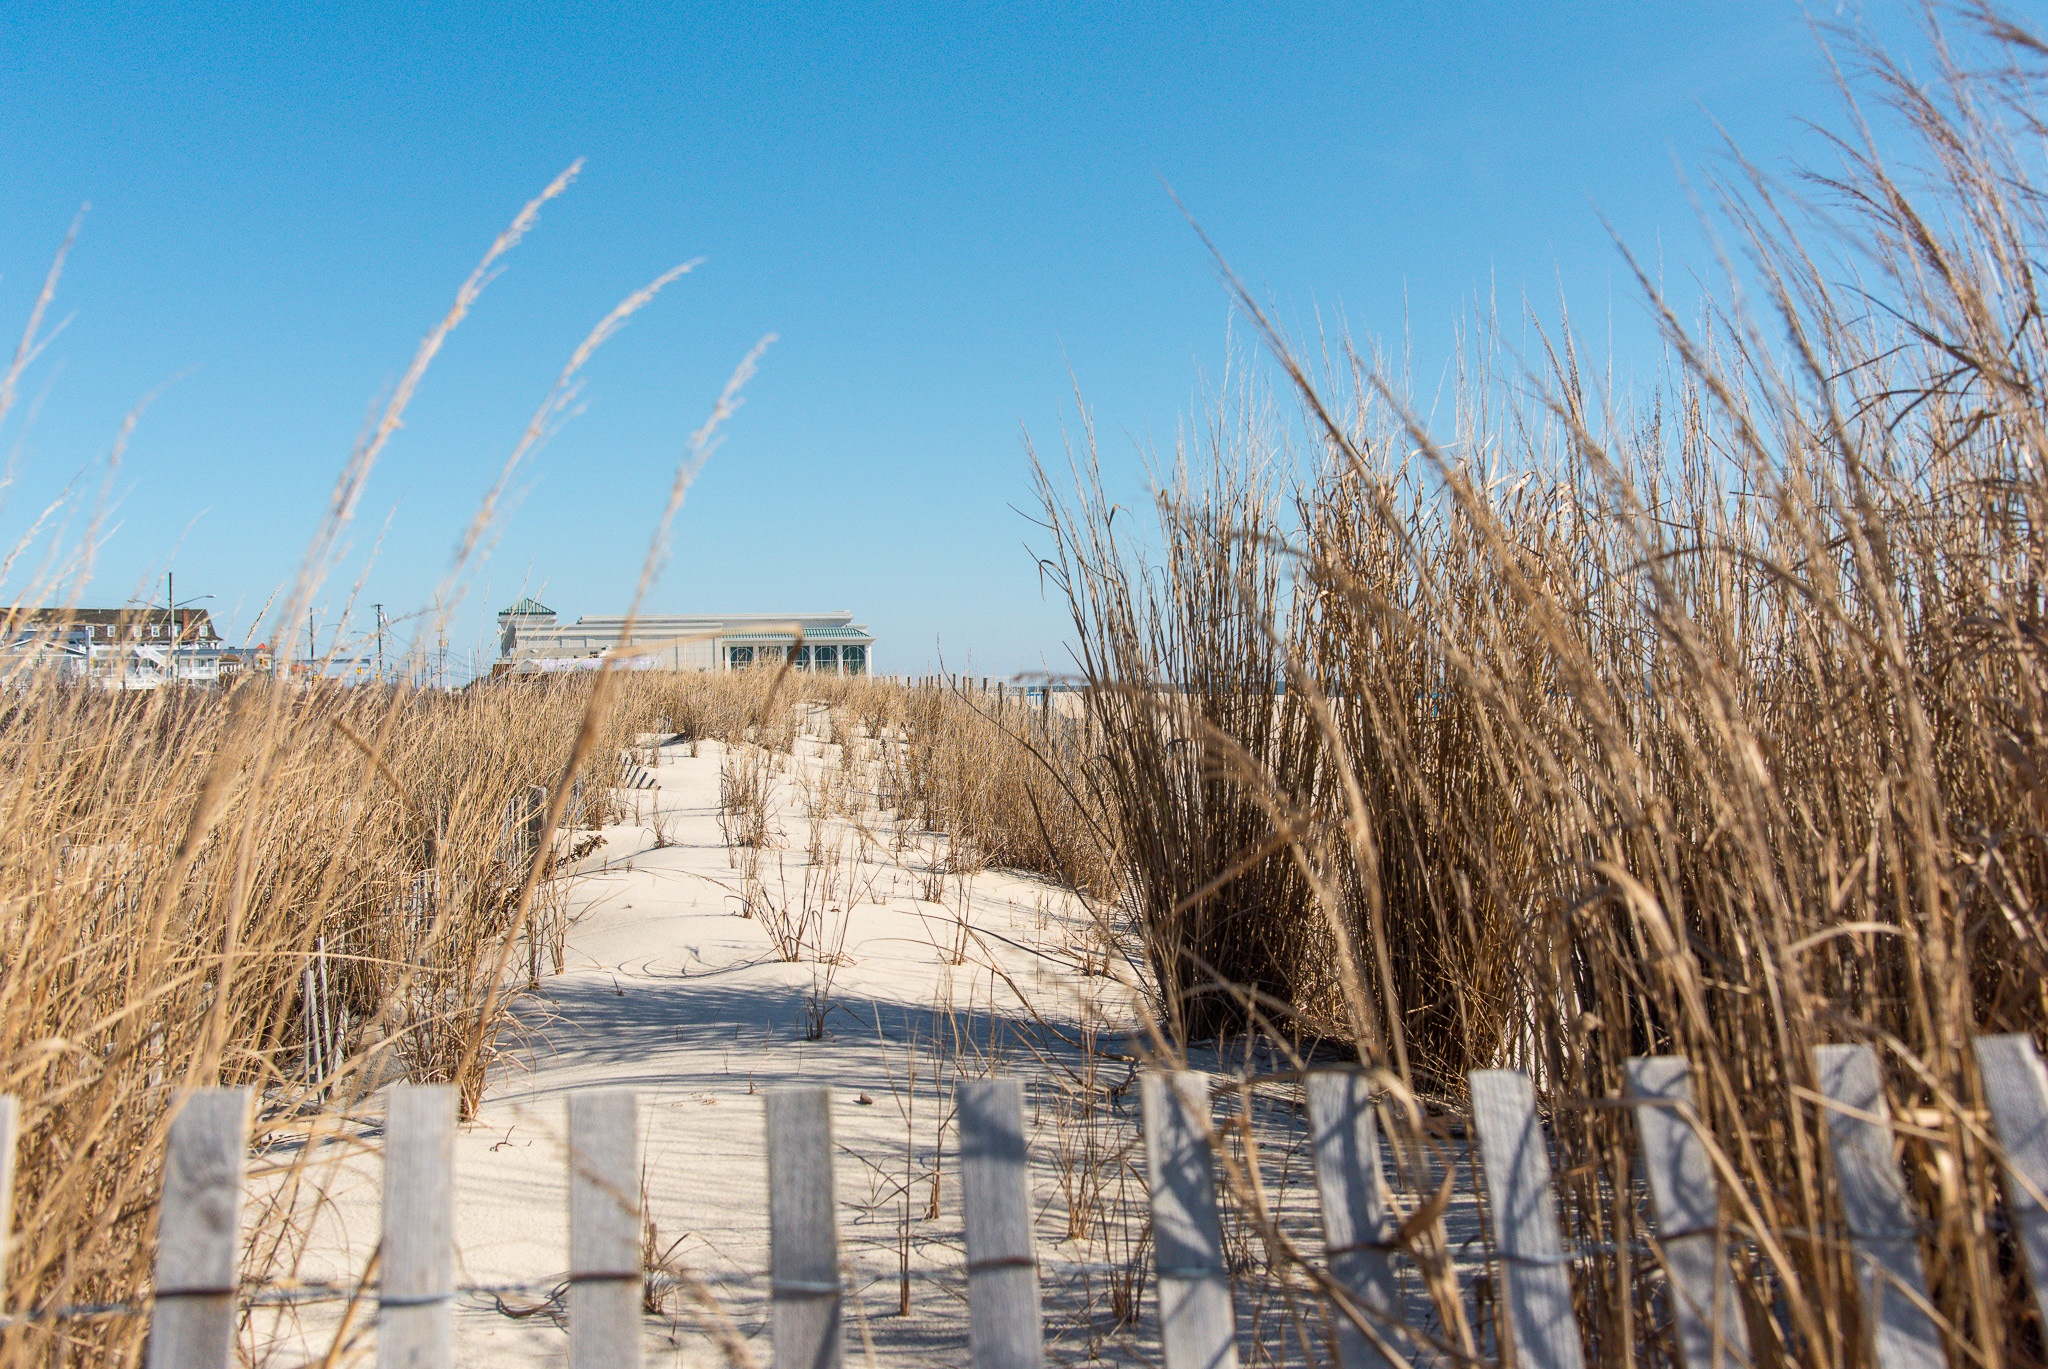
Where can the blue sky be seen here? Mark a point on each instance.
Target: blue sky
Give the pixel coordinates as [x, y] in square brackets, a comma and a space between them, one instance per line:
[950, 216]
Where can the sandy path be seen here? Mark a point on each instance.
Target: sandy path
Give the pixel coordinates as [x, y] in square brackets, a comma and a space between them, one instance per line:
[667, 990]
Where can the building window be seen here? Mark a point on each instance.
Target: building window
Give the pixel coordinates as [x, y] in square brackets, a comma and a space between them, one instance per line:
[854, 659]
[737, 657]
[768, 655]
[824, 658]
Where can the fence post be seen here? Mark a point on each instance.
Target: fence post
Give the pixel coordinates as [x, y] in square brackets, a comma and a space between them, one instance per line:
[536, 815]
[515, 831]
[2016, 1089]
[415, 1318]
[310, 1054]
[1357, 1228]
[605, 1279]
[1197, 1325]
[327, 1015]
[803, 1240]
[1686, 1201]
[1535, 1277]
[10, 1126]
[1876, 1208]
[995, 1195]
[199, 1233]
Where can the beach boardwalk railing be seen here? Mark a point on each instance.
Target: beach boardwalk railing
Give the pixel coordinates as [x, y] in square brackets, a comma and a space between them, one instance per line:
[1197, 1326]
[1877, 1209]
[803, 1239]
[1358, 1227]
[995, 1196]
[415, 1302]
[605, 1275]
[1685, 1201]
[1535, 1276]
[194, 1304]
[2016, 1091]
[199, 1230]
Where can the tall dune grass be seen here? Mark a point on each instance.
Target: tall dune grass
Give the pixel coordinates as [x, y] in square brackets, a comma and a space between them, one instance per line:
[170, 863]
[173, 864]
[1705, 718]
[1001, 774]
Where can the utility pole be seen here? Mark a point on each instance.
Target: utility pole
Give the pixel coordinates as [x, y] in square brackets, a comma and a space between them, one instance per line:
[440, 670]
[380, 641]
[171, 606]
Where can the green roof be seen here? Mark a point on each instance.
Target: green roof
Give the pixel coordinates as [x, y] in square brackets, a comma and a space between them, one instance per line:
[526, 608]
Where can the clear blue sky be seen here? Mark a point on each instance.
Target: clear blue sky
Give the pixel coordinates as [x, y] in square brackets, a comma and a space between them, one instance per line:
[942, 211]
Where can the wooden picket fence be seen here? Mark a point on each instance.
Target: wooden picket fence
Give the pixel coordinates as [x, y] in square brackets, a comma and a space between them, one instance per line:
[193, 1309]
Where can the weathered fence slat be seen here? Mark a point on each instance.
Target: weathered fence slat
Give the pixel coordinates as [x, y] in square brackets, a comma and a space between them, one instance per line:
[199, 1230]
[1686, 1201]
[1357, 1227]
[415, 1312]
[535, 820]
[1878, 1211]
[316, 1068]
[2016, 1088]
[605, 1280]
[803, 1238]
[995, 1196]
[1197, 1326]
[10, 1127]
[1535, 1275]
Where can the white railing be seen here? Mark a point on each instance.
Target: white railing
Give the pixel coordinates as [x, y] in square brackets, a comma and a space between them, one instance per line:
[193, 1306]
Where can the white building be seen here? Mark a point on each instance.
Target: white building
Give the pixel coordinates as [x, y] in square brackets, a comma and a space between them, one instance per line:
[531, 640]
[114, 648]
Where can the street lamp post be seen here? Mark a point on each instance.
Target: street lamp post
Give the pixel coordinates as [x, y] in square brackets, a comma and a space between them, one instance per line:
[177, 635]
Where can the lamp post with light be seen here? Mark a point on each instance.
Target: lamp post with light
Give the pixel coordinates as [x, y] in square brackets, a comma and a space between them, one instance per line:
[177, 635]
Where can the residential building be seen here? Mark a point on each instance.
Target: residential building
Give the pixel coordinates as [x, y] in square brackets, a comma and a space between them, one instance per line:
[116, 648]
[532, 640]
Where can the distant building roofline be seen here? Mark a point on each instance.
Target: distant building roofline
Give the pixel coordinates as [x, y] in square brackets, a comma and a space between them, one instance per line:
[823, 634]
[835, 616]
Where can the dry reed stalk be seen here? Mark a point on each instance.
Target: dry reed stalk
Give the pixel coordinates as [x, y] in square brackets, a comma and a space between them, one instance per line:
[1709, 721]
[201, 887]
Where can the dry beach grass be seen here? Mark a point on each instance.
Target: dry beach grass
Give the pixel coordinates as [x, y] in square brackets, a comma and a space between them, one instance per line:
[1706, 719]
[171, 865]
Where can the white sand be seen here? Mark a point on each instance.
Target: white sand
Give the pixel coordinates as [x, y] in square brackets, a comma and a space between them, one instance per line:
[670, 992]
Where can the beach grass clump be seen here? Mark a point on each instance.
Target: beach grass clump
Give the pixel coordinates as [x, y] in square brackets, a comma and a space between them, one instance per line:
[1000, 772]
[174, 866]
[1704, 717]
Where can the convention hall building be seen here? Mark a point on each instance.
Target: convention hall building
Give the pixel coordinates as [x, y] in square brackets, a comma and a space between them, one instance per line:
[532, 640]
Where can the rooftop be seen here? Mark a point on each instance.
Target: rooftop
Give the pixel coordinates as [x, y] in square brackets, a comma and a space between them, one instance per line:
[818, 634]
[190, 622]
